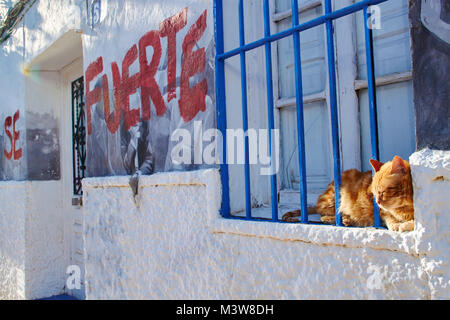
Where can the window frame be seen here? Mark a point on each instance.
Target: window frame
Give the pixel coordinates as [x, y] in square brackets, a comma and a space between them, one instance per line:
[330, 19]
[346, 78]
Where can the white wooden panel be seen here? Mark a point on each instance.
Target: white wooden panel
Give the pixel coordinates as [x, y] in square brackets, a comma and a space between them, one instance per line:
[395, 122]
[391, 43]
[395, 101]
[317, 146]
[346, 72]
[312, 46]
[257, 98]
[285, 5]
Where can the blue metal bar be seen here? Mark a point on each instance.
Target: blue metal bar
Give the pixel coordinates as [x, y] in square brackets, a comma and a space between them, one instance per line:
[300, 116]
[248, 204]
[334, 111]
[302, 27]
[221, 105]
[270, 107]
[372, 102]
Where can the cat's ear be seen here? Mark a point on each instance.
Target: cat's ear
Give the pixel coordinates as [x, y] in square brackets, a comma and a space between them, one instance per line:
[376, 164]
[398, 166]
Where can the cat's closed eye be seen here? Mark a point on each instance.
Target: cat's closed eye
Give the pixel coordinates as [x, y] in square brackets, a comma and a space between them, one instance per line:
[394, 191]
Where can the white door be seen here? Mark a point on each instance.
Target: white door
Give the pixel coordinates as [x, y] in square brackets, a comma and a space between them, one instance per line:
[73, 213]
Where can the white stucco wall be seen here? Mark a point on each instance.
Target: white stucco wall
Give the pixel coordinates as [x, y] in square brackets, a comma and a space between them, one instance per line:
[431, 176]
[171, 243]
[46, 22]
[12, 240]
[32, 256]
[45, 254]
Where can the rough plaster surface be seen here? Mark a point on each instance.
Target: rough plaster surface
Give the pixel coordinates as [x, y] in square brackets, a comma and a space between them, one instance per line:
[431, 176]
[170, 243]
[43, 27]
[12, 240]
[32, 258]
[32, 255]
[44, 240]
[150, 245]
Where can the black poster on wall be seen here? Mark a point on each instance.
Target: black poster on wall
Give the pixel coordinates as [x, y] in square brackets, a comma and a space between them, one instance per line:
[430, 34]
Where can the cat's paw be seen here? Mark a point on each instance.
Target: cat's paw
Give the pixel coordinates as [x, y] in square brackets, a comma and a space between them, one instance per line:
[406, 226]
[328, 219]
[346, 221]
[394, 226]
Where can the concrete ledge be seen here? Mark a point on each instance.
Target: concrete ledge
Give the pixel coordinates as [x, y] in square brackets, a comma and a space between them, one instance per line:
[321, 235]
[208, 178]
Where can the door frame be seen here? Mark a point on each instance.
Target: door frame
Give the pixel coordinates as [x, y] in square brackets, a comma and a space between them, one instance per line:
[73, 219]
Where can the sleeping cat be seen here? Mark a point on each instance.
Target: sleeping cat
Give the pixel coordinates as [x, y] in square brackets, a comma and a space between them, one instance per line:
[391, 186]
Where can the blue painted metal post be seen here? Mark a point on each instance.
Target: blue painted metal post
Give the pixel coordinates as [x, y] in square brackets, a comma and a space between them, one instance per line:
[334, 111]
[268, 48]
[372, 101]
[221, 105]
[300, 116]
[248, 204]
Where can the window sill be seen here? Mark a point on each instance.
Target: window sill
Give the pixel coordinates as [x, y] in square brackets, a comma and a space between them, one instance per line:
[322, 235]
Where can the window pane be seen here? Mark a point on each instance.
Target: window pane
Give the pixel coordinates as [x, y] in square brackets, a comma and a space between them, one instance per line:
[285, 5]
[391, 42]
[395, 123]
[317, 146]
[312, 54]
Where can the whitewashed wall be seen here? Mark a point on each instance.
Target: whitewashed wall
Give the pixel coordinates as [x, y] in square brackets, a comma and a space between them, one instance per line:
[170, 243]
[12, 241]
[33, 255]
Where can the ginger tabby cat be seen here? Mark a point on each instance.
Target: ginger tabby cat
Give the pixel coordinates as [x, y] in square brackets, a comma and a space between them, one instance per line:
[391, 186]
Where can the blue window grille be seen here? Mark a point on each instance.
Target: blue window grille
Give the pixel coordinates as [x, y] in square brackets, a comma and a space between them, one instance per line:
[295, 31]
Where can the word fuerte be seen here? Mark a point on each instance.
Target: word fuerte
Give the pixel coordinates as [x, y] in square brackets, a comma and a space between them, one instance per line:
[191, 100]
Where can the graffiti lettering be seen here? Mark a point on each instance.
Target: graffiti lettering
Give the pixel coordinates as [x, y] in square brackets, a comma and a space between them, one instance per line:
[8, 122]
[13, 153]
[125, 86]
[192, 99]
[94, 96]
[149, 87]
[169, 28]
